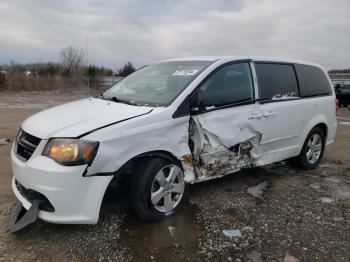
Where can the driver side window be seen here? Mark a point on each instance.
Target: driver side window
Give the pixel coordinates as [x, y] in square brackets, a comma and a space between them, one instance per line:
[230, 84]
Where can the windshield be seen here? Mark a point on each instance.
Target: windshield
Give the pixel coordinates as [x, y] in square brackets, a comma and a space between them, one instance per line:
[158, 84]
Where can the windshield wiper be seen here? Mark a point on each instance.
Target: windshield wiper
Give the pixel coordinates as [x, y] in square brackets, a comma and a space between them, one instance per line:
[118, 100]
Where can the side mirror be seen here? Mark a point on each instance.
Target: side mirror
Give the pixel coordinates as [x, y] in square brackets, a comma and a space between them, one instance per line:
[198, 109]
[196, 106]
[194, 109]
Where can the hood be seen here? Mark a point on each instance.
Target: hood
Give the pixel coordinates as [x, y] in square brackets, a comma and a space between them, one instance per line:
[79, 117]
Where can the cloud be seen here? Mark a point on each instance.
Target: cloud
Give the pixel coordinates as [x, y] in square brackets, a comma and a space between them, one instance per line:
[145, 31]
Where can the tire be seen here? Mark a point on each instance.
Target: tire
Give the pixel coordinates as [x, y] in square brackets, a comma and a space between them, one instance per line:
[313, 149]
[146, 189]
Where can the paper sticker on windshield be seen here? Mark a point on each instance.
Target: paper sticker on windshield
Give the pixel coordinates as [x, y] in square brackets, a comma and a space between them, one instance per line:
[185, 73]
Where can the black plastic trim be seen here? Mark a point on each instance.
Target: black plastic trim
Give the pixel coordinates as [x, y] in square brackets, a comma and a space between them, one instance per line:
[273, 62]
[100, 174]
[317, 95]
[32, 195]
[20, 217]
[25, 145]
[184, 109]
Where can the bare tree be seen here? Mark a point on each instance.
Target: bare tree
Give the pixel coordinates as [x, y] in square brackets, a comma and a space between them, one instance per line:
[72, 58]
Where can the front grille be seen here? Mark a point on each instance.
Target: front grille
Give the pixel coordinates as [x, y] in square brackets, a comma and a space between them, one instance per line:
[31, 195]
[26, 145]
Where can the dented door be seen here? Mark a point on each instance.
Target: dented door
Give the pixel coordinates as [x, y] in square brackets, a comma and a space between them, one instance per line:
[223, 140]
[222, 137]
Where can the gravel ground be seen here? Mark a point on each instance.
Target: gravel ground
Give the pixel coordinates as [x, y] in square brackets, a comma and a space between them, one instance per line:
[291, 215]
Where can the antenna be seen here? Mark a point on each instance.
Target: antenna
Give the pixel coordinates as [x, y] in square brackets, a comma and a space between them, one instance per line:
[87, 67]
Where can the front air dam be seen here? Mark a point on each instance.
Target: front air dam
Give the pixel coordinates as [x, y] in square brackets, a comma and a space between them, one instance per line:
[20, 217]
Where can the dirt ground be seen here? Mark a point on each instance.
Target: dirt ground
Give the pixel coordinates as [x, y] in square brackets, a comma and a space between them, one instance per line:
[300, 215]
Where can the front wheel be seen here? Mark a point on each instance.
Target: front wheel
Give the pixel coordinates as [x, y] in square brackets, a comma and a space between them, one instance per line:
[158, 189]
[313, 149]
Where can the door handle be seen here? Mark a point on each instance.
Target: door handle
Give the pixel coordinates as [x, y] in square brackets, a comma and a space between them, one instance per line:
[269, 114]
[254, 116]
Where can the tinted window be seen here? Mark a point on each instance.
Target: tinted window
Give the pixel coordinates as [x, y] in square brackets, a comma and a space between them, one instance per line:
[312, 80]
[276, 81]
[230, 84]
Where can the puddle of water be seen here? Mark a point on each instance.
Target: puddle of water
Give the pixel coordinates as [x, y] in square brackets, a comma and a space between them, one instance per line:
[337, 188]
[258, 190]
[326, 200]
[333, 179]
[255, 256]
[161, 240]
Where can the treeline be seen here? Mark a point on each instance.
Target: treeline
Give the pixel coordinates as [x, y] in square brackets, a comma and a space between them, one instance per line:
[54, 69]
[70, 74]
[54, 76]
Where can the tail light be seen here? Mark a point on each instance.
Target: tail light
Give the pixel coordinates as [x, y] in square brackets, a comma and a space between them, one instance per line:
[336, 106]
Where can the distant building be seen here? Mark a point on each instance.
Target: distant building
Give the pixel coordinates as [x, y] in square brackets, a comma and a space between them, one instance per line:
[340, 78]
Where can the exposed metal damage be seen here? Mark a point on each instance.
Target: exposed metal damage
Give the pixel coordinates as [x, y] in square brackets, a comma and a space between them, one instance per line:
[216, 153]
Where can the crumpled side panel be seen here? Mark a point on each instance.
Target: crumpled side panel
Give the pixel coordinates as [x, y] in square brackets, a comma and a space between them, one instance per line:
[241, 129]
[218, 150]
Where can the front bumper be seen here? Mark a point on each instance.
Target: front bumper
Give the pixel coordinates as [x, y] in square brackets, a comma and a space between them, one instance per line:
[75, 199]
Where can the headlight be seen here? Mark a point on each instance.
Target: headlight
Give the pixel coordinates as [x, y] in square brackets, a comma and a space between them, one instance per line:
[71, 152]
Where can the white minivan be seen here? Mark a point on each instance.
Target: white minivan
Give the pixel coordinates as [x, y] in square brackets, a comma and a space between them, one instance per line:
[166, 126]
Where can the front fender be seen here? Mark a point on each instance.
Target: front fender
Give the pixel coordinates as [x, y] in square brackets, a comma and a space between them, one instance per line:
[114, 151]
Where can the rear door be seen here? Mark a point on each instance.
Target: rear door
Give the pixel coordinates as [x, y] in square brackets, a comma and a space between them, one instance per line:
[319, 101]
[281, 111]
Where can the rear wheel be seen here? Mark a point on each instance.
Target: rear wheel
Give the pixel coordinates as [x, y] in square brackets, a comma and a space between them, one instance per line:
[313, 149]
[158, 189]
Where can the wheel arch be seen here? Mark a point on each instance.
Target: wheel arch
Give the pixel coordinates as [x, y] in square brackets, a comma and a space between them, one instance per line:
[324, 128]
[132, 162]
[159, 153]
[318, 121]
[123, 175]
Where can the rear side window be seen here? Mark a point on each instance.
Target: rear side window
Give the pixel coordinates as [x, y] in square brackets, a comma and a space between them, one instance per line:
[276, 81]
[312, 80]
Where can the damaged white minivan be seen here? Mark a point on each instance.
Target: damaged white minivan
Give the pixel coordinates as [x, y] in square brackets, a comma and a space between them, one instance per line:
[168, 125]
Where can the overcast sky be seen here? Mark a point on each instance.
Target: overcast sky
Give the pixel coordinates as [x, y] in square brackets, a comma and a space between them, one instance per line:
[149, 30]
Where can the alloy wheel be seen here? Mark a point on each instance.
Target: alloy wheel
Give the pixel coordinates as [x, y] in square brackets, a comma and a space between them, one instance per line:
[167, 188]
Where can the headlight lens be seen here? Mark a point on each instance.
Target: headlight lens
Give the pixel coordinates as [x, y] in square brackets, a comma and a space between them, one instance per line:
[71, 152]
